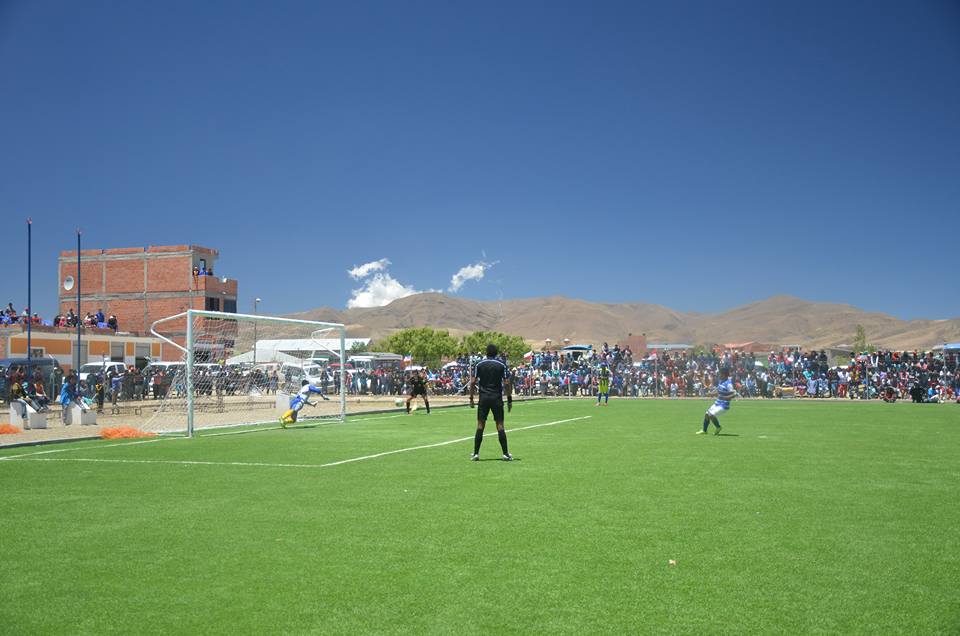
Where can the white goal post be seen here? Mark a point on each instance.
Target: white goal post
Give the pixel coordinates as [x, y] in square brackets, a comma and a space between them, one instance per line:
[242, 369]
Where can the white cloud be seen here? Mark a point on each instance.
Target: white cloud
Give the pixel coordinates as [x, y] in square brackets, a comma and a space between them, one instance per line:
[379, 290]
[467, 273]
[362, 271]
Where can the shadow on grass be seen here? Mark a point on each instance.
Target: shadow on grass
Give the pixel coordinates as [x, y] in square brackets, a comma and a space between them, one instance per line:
[497, 459]
[726, 435]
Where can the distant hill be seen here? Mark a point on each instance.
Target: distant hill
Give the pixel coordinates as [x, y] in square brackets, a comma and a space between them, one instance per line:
[777, 320]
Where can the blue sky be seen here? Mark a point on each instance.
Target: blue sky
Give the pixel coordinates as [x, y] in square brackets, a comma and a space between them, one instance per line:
[698, 155]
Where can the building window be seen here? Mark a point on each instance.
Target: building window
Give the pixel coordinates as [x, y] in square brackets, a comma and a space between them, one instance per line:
[213, 304]
[230, 306]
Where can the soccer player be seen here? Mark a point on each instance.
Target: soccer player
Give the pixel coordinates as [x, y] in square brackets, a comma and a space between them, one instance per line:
[491, 377]
[301, 399]
[418, 386]
[725, 393]
[603, 384]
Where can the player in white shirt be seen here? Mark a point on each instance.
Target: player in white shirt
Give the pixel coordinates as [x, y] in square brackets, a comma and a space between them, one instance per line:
[725, 393]
[301, 399]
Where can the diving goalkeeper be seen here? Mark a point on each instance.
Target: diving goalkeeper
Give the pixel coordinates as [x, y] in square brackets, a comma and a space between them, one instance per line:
[300, 400]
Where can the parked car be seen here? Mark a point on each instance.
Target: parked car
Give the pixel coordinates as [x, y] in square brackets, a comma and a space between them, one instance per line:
[291, 375]
[101, 368]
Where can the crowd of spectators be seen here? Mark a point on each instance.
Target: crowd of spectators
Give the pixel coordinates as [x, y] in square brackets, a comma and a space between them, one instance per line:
[70, 319]
[925, 377]
[447, 380]
[886, 375]
[11, 317]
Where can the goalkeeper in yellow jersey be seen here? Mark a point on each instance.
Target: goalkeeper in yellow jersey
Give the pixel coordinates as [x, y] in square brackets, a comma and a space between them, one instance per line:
[603, 384]
[300, 400]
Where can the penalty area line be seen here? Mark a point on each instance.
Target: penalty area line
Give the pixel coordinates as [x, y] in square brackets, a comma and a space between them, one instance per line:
[448, 442]
[32, 457]
[304, 423]
[76, 448]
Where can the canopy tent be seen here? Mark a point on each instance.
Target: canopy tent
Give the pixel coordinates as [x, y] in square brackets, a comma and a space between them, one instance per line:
[951, 346]
[577, 351]
[669, 346]
[274, 356]
[281, 350]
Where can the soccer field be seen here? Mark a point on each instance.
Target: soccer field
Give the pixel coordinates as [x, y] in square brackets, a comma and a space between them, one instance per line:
[800, 518]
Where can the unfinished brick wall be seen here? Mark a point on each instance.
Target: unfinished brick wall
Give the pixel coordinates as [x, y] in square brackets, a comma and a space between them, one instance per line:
[141, 285]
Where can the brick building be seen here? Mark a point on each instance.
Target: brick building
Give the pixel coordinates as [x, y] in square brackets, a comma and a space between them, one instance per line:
[140, 285]
[637, 343]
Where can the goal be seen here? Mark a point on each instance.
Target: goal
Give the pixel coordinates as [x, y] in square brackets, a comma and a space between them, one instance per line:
[239, 370]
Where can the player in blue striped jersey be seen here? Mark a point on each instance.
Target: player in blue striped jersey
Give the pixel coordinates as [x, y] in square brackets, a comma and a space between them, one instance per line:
[725, 393]
[299, 401]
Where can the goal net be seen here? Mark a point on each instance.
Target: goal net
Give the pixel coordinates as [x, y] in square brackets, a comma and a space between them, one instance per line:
[244, 370]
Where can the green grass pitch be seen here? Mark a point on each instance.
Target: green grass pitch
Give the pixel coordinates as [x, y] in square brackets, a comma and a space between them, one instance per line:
[801, 518]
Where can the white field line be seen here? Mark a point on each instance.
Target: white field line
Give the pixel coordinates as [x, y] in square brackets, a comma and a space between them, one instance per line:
[76, 448]
[451, 441]
[368, 419]
[314, 423]
[305, 423]
[31, 457]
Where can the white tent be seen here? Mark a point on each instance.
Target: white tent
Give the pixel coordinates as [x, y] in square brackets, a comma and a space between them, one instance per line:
[275, 356]
[300, 348]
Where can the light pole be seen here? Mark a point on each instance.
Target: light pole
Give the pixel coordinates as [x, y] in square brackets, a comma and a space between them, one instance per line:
[256, 301]
[29, 299]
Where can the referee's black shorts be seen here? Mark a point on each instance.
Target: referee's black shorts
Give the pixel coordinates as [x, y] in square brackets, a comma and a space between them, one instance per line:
[421, 391]
[486, 405]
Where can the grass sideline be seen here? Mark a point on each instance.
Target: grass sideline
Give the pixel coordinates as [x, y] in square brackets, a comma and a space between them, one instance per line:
[800, 518]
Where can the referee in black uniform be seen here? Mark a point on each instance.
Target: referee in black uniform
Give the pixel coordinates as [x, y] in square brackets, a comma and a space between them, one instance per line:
[492, 378]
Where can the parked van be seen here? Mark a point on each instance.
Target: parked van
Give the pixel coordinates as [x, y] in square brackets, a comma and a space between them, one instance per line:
[373, 360]
[103, 368]
[292, 375]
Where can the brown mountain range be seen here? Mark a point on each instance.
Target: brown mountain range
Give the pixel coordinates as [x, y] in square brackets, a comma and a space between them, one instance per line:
[777, 320]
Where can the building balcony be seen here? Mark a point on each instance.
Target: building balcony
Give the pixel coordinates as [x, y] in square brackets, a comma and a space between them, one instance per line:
[216, 286]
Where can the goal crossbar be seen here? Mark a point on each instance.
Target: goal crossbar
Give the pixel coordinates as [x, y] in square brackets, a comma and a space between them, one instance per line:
[189, 348]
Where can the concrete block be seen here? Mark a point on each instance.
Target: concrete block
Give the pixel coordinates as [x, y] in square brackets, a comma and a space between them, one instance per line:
[77, 415]
[33, 419]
